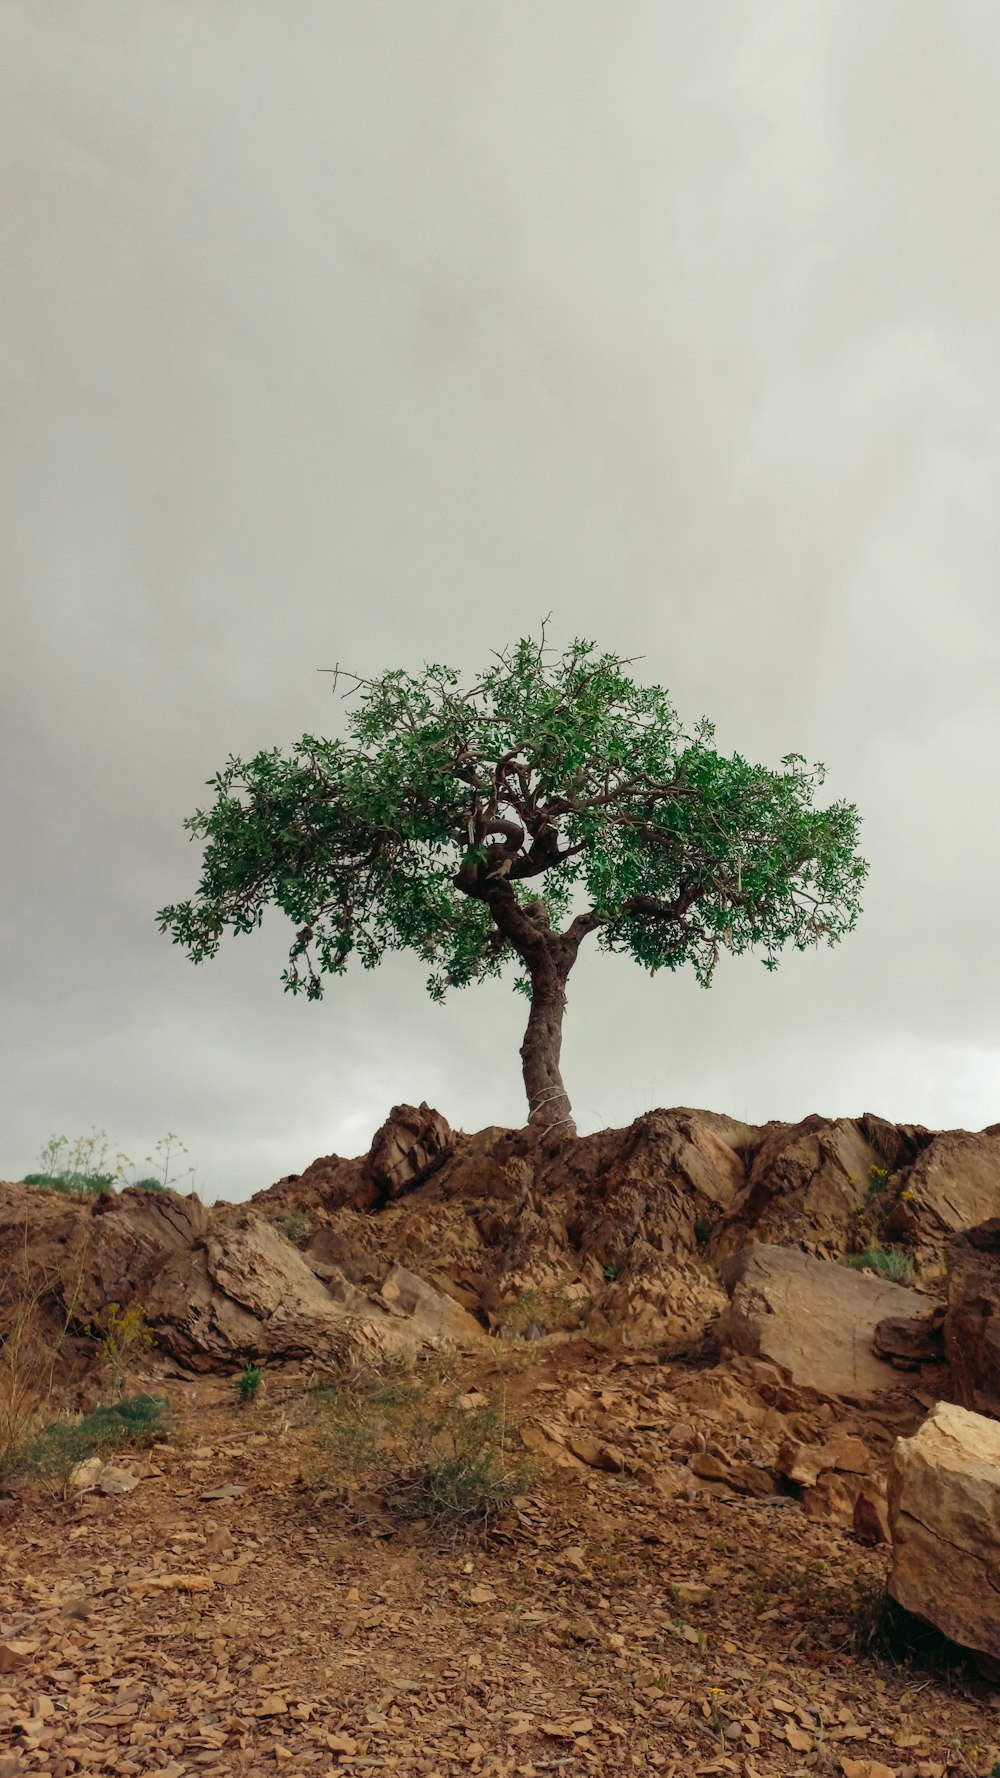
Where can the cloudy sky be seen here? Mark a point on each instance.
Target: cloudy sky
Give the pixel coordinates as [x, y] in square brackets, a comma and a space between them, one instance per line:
[373, 330]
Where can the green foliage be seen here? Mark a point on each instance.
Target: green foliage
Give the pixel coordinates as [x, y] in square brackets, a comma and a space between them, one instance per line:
[427, 828]
[134, 1420]
[432, 1452]
[702, 1230]
[248, 1383]
[88, 1166]
[878, 1179]
[293, 1224]
[462, 1469]
[121, 1333]
[87, 1185]
[893, 1264]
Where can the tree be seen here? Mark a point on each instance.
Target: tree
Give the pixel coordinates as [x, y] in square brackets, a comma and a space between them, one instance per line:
[555, 799]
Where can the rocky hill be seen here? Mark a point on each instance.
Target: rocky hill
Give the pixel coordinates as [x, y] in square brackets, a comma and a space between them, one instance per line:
[668, 1316]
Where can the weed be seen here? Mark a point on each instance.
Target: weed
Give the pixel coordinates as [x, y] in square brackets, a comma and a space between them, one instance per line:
[121, 1333]
[519, 1314]
[611, 1270]
[32, 1343]
[893, 1264]
[248, 1383]
[88, 1166]
[702, 1230]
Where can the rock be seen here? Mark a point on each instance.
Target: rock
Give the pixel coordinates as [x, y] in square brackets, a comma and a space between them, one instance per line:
[866, 1768]
[911, 1340]
[749, 1478]
[691, 1592]
[804, 1181]
[831, 1500]
[406, 1295]
[85, 1474]
[944, 1515]
[812, 1317]
[803, 1464]
[596, 1454]
[850, 1454]
[871, 1516]
[116, 1480]
[954, 1183]
[218, 1286]
[413, 1143]
[972, 1317]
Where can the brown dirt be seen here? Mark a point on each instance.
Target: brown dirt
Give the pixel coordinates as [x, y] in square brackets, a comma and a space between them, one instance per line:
[288, 1628]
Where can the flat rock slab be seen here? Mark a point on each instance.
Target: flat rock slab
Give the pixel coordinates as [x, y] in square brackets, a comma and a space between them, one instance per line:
[944, 1511]
[814, 1318]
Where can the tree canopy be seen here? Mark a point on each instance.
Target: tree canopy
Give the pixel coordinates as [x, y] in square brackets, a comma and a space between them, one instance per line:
[554, 798]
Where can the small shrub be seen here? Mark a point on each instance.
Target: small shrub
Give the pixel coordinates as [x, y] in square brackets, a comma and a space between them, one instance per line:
[248, 1383]
[702, 1230]
[429, 1458]
[90, 1185]
[54, 1451]
[37, 1310]
[462, 1466]
[611, 1270]
[293, 1224]
[894, 1264]
[121, 1333]
[89, 1166]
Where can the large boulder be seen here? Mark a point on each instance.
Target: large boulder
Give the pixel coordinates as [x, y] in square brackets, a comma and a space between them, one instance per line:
[944, 1512]
[813, 1318]
[953, 1184]
[972, 1320]
[412, 1144]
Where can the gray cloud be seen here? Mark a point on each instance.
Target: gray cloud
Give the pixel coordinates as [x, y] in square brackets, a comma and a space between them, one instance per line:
[375, 331]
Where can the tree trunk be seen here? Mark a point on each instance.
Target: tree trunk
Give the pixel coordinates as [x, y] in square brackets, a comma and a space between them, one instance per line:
[548, 1101]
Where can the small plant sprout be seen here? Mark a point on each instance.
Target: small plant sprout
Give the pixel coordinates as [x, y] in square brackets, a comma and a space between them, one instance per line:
[248, 1383]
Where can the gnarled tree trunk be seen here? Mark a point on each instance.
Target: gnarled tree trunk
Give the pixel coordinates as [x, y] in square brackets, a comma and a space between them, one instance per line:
[548, 1101]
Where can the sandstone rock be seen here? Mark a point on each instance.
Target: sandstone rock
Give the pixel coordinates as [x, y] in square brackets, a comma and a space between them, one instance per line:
[954, 1183]
[803, 1182]
[709, 1468]
[972, 1319]
[812, 1317]
[803, 1464]
[831, 1500]
[596, 1454]
[944, 1513]
[217, 1286]
[871, 1515]
[413, 1143]
[751, 1479]
[406, 1295]
[911, 1340]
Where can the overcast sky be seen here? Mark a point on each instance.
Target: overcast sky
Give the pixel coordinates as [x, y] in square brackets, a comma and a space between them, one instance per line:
[338, 329]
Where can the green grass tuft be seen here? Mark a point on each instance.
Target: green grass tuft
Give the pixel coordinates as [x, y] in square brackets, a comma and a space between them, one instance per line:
[892, 1264]
[53, 1452]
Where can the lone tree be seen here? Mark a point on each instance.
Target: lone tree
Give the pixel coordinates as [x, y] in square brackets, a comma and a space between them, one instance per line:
[555, 799]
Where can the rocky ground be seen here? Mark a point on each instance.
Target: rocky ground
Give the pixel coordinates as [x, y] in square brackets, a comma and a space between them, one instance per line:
[690, 1580]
